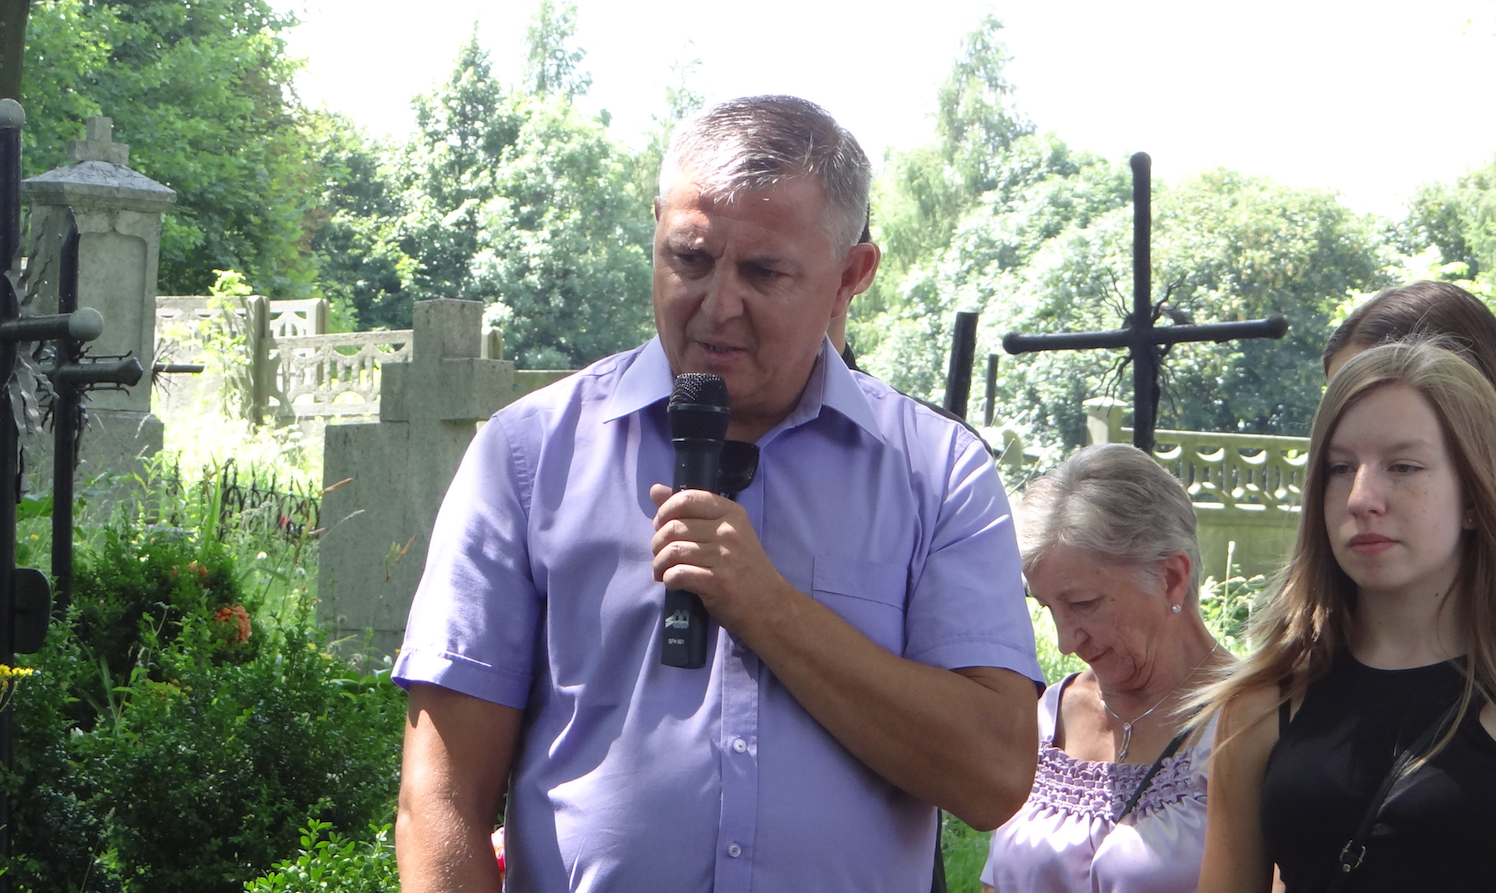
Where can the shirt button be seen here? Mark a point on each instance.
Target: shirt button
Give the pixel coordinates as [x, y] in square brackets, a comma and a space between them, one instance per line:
[740, 746]
[734, 850]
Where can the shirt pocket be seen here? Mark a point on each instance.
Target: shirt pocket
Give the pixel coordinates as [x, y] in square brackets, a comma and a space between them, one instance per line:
[870, 595]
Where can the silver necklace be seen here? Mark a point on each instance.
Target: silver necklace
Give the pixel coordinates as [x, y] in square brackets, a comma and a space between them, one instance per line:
[1128, 724]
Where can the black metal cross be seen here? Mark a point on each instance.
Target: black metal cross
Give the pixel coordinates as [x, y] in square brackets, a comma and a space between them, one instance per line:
[25, 593]
[1145, 342]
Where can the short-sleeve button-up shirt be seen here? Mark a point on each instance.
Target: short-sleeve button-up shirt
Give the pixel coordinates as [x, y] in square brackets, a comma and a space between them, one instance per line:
[539, 594]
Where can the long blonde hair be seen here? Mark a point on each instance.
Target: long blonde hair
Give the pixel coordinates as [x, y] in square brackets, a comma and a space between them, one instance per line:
[1303, 628]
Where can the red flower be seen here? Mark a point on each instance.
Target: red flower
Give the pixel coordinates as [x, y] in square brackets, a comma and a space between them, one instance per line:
[239, 617]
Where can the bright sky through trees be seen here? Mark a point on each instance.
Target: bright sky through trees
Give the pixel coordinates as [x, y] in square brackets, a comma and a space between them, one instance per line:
[1371, 97]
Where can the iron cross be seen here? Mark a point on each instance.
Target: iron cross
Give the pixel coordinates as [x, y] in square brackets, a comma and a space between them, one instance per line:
[1142, 339]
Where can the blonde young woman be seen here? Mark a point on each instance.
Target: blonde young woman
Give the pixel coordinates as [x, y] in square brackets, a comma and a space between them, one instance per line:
[1355, 746]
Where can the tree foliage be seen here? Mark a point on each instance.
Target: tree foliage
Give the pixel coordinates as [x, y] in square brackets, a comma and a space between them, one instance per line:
[509, 196]
[1458, 221]
[198, 90]
[1037, 237]
[563, 253]
[553, 60]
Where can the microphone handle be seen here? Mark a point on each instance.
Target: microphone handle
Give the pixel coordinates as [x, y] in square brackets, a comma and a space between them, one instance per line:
[686, 621]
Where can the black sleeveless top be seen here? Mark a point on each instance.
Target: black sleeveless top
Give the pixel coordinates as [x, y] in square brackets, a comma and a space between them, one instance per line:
[1437, 827]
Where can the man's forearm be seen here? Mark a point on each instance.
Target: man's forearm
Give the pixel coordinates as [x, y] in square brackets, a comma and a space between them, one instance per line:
[439, 851]
[963, 740]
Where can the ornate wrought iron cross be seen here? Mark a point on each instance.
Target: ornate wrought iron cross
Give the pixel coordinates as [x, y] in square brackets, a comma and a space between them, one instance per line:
[25, 593]
[1145, 342]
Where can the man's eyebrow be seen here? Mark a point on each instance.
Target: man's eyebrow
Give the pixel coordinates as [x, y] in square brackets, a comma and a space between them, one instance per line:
[686, 241]
[766, 259]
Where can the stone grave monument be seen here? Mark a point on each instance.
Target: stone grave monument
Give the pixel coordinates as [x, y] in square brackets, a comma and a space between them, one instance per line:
[386, 480]
[118, 214]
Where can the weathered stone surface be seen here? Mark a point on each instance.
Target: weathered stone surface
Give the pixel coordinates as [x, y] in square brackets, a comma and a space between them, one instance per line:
[387, 479]
[118, 216]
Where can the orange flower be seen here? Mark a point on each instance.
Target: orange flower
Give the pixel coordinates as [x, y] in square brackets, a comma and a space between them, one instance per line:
[239, 617]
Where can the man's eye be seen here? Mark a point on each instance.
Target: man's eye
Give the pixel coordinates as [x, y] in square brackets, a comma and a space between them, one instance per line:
[691, 262]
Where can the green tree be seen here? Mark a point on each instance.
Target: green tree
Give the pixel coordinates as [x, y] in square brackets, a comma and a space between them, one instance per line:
[445, 174]
[1458, 221]
[515, 198]
[1044, 191]
[975, 121]
[681, 101]
[922, 193]
[1057, 256]
[564, 255]
[552, 60]
[362, 268]
[199, 91]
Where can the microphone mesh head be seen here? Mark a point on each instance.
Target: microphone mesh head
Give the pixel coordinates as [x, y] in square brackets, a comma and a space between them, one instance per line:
[699, 387]
[698, 406]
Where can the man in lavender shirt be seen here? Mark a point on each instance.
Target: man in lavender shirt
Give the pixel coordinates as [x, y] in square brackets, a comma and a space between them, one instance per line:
[870, 658]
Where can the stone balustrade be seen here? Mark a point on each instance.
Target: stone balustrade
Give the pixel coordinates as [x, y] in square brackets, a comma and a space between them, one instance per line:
[331, 376]
[1246, 487]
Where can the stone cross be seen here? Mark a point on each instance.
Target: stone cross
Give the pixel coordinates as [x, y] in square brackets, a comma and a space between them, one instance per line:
[385, 481]
[97, 143]
[1145, 342]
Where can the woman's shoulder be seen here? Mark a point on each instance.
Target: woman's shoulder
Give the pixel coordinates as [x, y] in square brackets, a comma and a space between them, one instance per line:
[1248, 710]
[1049, 706]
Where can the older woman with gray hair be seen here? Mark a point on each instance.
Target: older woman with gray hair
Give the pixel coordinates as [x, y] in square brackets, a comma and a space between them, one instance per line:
[1118, 803]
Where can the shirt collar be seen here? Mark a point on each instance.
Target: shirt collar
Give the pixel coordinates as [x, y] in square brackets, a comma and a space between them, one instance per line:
[648, 380]
[644, 383]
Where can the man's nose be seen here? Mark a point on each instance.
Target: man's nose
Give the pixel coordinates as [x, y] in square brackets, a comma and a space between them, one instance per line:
[724, 295]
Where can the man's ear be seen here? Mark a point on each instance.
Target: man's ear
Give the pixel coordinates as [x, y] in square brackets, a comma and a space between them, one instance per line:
[657, 209]
[859, 268]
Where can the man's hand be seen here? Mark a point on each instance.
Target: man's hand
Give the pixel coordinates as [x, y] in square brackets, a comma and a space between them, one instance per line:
[705, 544]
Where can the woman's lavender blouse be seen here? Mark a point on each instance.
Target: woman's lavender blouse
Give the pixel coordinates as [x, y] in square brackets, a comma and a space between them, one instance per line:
[1063, 840]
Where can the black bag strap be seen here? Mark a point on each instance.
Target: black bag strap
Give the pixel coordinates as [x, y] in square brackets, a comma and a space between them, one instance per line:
[1354, 851]
[937, 877]
[1158, 764]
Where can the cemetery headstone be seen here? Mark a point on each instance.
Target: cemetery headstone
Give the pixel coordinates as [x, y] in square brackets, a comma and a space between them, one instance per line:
[118, 218]
[385, 480]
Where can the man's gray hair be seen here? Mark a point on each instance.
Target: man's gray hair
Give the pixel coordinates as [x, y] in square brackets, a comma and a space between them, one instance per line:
[1115, 502]
[754, 143]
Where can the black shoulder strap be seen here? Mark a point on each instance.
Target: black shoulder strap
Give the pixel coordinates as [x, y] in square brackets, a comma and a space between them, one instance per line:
[1152, 771]
[937, 878]
[1354, 851]
[1285, 709]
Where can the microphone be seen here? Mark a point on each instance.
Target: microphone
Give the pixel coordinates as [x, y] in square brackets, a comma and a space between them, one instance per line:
[698, 427]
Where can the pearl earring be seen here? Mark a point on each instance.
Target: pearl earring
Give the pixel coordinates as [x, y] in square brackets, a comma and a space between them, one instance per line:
[1175, 608]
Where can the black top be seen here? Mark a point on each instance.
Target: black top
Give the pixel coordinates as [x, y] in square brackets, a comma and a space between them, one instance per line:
[1436, 828]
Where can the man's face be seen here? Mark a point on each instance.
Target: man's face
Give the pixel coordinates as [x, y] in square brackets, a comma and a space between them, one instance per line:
[745, 289]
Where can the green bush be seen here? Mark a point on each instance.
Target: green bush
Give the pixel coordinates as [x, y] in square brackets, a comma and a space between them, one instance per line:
[187, 720]
[346, 866]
